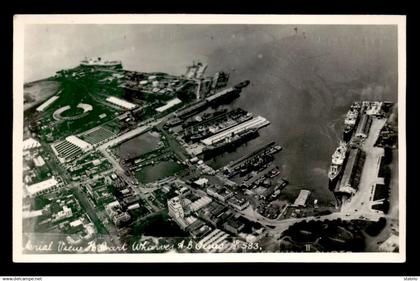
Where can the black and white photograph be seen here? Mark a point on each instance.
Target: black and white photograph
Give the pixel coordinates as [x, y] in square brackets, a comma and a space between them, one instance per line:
[206, 138]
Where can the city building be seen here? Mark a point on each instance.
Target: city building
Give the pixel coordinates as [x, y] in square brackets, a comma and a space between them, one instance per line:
[43, 187]
[214, 213]
[39, 161]
[30, 143]
[65, 213]
[200, 203]
[99, 194]
[219, 192]
[120, 218]
[175, 208]
[233, 225]
[116, 214]
[201, 182]
[238, 203]
[215, 241]
[199, 229]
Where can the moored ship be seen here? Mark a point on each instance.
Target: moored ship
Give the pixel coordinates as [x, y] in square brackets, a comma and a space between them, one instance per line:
[226, 121]
[98, 62]
[229, 143]
[337, 163]
[350, 121]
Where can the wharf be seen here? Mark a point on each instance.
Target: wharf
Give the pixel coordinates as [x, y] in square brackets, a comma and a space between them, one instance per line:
[256, 122]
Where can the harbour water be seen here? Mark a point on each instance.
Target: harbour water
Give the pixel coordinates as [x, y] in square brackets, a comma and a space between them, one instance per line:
[138, 145]
[158, 171]
[303, 79]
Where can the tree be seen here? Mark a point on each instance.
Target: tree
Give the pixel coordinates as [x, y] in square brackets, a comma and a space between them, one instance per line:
[375, 228]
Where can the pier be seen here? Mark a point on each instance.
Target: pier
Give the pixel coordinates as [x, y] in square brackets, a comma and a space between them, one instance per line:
[257, 122]
[238, 161]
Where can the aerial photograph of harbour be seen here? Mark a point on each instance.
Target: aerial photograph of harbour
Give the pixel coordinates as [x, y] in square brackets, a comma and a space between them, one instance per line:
[167, 138]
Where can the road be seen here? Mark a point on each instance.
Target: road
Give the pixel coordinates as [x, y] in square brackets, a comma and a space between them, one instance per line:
[130, 134]
[174, 145]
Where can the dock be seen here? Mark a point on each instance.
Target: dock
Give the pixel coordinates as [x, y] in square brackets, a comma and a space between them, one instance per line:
[256, 122]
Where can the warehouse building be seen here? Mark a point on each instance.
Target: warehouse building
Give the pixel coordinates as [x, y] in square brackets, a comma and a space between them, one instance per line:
[71, 147]
[46, 104]
[168, 105]
[121, 103]
[364, 127]
[351, 175]
[256, 122]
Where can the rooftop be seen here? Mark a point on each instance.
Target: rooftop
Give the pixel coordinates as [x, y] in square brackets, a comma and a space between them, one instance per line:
[121, 102]
[41, 186]
[168, 105]
[30, 143]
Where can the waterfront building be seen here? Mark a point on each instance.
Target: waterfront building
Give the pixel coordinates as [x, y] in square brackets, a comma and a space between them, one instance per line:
[46, 104]
[123, 104]
[168, 105]
[302, 198]
[352, 172]
[256, 122]
[364, 127]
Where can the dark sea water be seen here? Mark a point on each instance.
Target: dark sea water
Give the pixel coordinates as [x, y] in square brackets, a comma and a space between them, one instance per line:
[301, 82]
